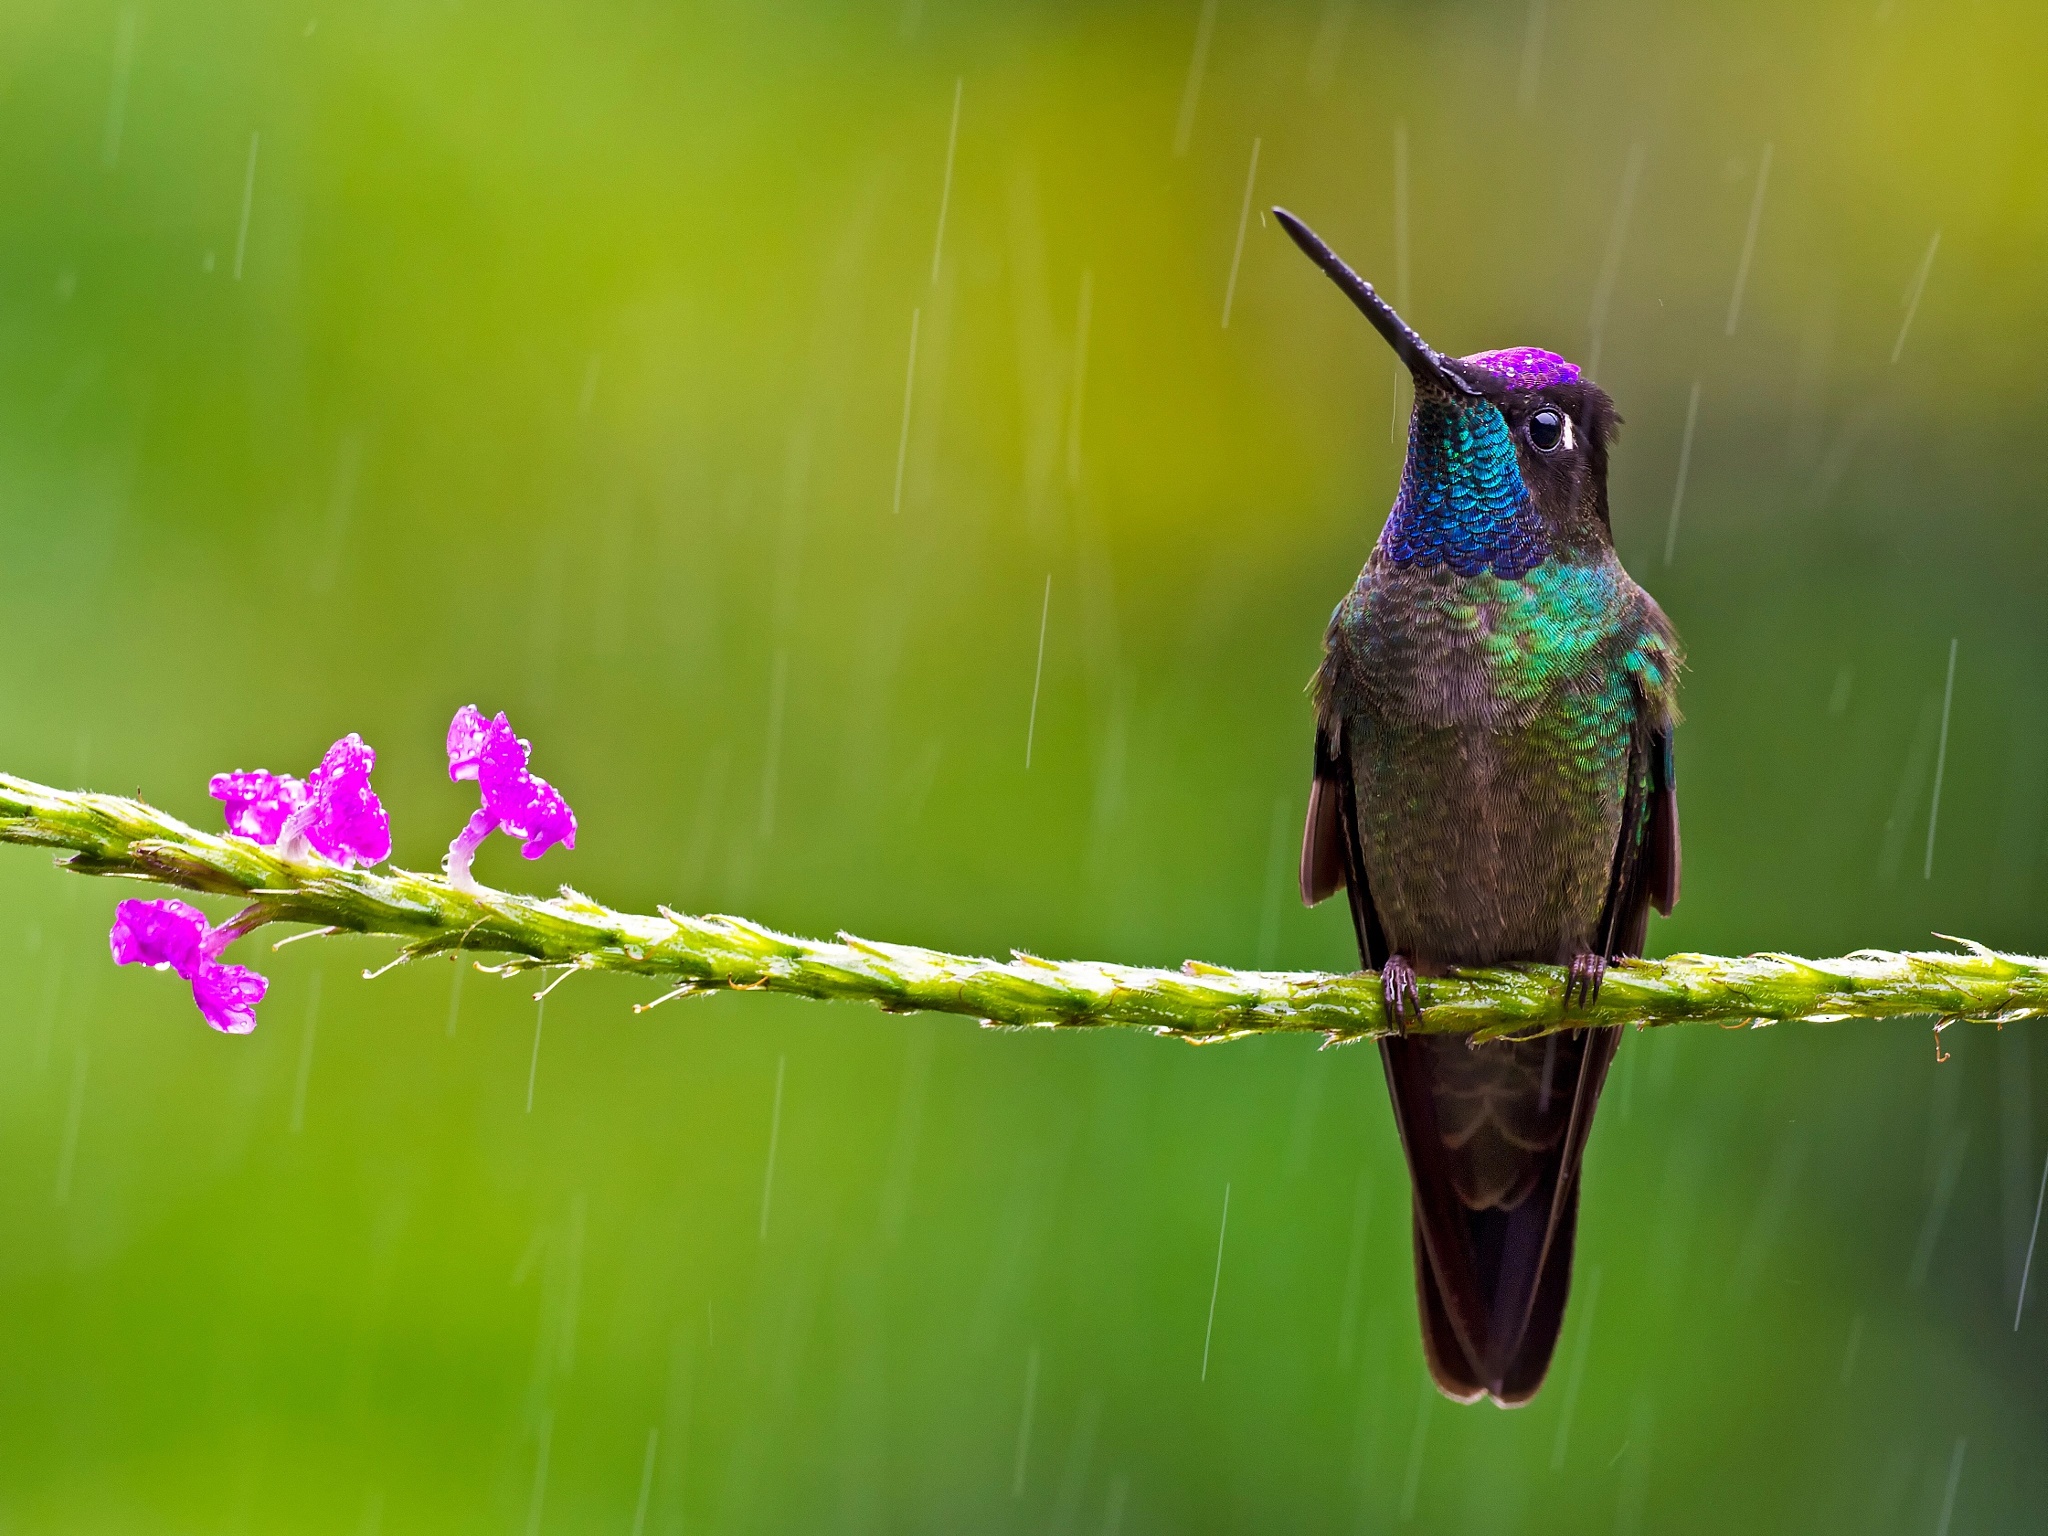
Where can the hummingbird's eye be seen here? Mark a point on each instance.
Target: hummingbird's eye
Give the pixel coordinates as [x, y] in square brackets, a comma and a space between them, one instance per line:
[1548, 428]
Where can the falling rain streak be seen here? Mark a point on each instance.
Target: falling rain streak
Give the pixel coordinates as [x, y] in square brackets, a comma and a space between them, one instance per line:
[534, 1247]
[117, 98]
[774, 1140]
[1074, 1474]
[1024, 1425]
[1354, 1271]
[540, 1017]
[1756, 213]
[1083, 318]
[895, 1204]
[1610, 262]
[2027, 1267]
[903, 433]
[1955, 1476]
[1937, 1209]
[1244, 215]
[572, 1284]
[1635, 1477]
[1770, 1215]
[946, 187]
[646, 1482]
[1578, 1373]
[306, 1055]
[1411, 1482]
[248, 201]
[1328, 48]
[1276, 882]
[1401, 294]
[1838, 698]
[1301, 1130]
[1191, 93]
[1692, 419]
[455, 996]
[1913, 292]
[1038, 673]
[1948, 694]
[1113, 1516]
[2015, 1078]
[74, 1115]
[46, 1026]
[710, 803]
[771, 764]
[1532, 57]
[540, 1475]
[1918, 759]
[341, 500]
[1216, 1285]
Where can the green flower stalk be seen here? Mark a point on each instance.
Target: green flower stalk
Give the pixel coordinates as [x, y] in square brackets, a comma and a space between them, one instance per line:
[695, 955]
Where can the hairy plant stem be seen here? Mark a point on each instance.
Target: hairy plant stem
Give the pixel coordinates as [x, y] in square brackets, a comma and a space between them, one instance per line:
[112, 835]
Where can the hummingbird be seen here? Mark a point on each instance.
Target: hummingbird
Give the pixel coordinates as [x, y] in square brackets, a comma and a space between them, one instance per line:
[1493, 784]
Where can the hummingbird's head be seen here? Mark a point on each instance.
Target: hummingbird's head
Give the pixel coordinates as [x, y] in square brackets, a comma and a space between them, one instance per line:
[1507, 450]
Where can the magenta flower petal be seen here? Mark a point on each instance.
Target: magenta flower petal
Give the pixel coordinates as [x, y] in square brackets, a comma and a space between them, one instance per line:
[543, 818]
[171, 935]
[227, 996]
[497, 761]
[257, 802]
[334, 813]
[515, 801]
[168, 934]
[467, 734]
[342, 818]
[524, 806]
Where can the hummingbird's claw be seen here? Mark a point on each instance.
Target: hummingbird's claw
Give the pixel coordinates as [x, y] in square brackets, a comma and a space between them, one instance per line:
[1583, 980]
[1403, 998]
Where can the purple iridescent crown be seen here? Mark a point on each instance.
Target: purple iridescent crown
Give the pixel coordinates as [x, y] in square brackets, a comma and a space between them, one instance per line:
[1526, 367]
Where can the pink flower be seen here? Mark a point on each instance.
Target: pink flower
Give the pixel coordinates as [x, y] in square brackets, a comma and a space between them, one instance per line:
[169, 935]
[257, 802]
[227, 996]
[342, 818]
[334, 813]
[516, 802]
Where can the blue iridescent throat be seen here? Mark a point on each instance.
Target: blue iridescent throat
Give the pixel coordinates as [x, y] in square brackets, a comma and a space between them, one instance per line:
[1462, 501]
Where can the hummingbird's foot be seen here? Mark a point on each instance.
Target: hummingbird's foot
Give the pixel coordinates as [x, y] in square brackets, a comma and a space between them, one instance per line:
[1583, 979]
[1403, 998]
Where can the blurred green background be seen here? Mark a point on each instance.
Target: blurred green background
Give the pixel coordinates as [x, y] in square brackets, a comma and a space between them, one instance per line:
[360, 363]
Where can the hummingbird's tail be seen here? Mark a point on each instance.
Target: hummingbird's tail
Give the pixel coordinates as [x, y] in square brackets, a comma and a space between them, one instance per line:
[1494, 1135]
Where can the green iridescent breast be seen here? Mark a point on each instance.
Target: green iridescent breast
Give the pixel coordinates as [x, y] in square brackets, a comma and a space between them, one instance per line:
[1434, 648]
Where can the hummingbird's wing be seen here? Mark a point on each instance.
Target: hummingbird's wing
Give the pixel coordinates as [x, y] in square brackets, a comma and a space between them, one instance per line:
[1330, 856]
[1646, 865]
[1495, 1133]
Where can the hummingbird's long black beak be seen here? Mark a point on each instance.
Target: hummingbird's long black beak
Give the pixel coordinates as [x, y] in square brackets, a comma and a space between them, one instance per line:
[1424, 361]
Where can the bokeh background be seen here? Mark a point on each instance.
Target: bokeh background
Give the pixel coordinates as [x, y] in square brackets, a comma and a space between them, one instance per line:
[360, 362]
